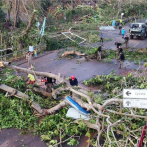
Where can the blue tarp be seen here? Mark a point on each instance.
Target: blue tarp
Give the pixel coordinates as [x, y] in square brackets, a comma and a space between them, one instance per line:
[113, 23]
[76, 105]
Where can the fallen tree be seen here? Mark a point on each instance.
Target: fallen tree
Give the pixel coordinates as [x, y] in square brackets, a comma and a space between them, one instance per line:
[40, 111]
[72, 52]
[102, 113]
[87, 57]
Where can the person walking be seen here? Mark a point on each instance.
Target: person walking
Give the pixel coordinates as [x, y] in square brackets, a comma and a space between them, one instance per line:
[120, 28]
[123, 33]
[29, 59]
[126, 41]
[101, 38]
[121, 60]
[99, 52]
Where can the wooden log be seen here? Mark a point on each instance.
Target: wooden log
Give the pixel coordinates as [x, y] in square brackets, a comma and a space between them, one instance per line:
[44, 74]
[72, 53]
[14, 92]
[44, 93]
[89, 125]
[22, 96]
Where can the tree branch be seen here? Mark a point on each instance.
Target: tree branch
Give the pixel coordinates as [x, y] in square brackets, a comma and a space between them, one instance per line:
[22, 96]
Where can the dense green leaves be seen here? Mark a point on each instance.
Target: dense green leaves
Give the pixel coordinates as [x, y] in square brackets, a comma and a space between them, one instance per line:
[18, 114]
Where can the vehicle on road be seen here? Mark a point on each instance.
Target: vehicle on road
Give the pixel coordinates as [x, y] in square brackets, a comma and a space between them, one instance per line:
[138, 30]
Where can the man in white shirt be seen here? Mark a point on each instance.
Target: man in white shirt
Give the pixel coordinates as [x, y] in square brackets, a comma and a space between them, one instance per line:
[31, 48]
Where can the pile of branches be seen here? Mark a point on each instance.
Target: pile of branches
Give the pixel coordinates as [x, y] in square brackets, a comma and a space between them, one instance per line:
[110, 117]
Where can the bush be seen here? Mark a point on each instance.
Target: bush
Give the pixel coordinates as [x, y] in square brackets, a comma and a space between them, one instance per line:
[54, 43]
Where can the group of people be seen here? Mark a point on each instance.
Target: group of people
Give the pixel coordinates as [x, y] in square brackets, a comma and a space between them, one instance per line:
[120, 58]
[49, 82]
[120, 50]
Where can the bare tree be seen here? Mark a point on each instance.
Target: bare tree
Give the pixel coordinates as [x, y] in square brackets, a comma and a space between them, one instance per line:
[9, 10]
[16, 12]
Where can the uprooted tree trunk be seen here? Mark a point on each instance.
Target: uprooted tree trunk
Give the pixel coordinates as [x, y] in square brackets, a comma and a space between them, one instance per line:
[101, 112]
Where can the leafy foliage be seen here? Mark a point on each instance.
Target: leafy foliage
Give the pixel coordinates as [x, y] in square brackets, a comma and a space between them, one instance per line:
[18, 114]
[113, 85]
[57, 43]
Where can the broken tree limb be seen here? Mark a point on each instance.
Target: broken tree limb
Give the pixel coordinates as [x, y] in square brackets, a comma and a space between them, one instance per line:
[42, 91]
[107, 102]
[17, 93]
[45, 74]
[60, 80]
[90, 125]
[125, 114]
[72, 53]
[22, 96]
[41, 111]
[34, 105]
[58, 91]
[55, 108]
[81, 103]
[37, 107]
[111, 101]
